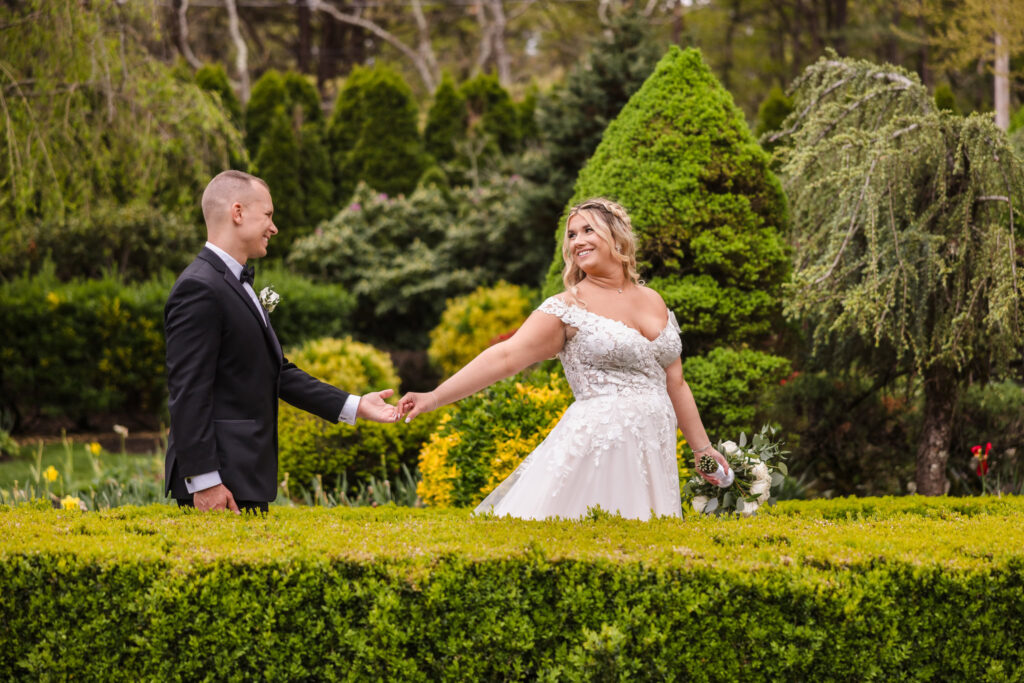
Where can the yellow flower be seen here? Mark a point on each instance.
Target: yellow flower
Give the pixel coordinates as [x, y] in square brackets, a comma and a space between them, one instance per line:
[50, 473]
[70, 503]
[95, 448]
[53, 298]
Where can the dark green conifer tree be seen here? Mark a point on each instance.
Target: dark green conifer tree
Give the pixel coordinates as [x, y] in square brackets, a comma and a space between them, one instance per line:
[277, 163]
[446, 121]
[492, 111]
[268, 93]
[373, 134]
[316, 175]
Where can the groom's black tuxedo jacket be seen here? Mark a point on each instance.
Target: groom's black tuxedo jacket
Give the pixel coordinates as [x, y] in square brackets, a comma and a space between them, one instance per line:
[225, 372]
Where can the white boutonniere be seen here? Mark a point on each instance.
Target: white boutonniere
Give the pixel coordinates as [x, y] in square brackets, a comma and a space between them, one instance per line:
[269, 298]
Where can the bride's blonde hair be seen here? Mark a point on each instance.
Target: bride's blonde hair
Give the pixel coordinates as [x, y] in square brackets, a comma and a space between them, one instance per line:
[611, 222]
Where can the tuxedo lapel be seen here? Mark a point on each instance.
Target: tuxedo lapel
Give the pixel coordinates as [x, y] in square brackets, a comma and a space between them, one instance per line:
[236, 286]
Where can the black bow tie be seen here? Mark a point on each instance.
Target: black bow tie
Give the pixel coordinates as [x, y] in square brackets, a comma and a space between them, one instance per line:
[247, 275]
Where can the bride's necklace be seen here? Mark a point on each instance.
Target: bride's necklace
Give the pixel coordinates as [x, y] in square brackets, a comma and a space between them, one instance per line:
[617, 289]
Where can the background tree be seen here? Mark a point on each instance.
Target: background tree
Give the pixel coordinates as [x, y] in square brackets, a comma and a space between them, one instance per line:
[373, 134]
[707, 211]
[446, 121]
[213, 78]
[912, 263]
[278, 163]
[103, 152]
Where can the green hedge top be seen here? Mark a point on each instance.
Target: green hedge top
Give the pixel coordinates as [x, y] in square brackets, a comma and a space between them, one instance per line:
[975, 534]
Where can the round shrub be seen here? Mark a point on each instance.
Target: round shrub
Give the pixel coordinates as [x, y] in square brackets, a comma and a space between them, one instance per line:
[473, 322]
[310, 446]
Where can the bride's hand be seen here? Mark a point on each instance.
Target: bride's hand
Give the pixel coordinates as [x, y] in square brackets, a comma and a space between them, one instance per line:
[413, 404]
[719, 458]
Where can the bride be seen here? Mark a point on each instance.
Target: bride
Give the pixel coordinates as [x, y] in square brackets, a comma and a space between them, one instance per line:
[615, 447]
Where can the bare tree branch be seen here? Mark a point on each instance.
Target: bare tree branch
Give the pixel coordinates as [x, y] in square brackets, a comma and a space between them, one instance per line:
[498, 38]
[426, 75]
[241, 51]
[183, 46]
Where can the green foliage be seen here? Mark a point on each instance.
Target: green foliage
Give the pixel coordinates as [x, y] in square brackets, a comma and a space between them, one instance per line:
[277, 162]
[316, 177]
[912, 252]
[446, 121]
[475, 321]
[81, 348]
[373, 134]
[773, 111]
[846, 435]
[134, 239]
[403, 257]
[268, 93]
[730, 386]
[86, 348]
[492, 115]
[945, 100]
[94, 122]
[990, 413]
[827, 590]
[303, 99]
[213, 78]
[310, 446]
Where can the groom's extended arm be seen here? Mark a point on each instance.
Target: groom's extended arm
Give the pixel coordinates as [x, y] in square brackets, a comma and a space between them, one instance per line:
[307, 393]
[192, 324]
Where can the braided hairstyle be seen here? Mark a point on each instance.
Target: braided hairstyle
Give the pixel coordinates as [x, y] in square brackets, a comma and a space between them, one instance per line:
[611, 222]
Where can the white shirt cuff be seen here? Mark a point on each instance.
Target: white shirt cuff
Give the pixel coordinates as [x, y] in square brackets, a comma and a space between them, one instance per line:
[201, 482]
[349, 410]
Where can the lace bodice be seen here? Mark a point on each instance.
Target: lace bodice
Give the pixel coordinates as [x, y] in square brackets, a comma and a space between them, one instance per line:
[607, 357]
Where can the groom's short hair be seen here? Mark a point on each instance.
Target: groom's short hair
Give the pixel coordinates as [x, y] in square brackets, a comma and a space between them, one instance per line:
[226, 188]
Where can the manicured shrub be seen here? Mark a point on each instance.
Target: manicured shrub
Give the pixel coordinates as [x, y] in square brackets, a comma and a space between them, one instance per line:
[373, 134]
[878, 589]
[80, 350]
[310, 446]
[475, 321]
[492, 112]
[446, 121]
[268, 93]
[730, 387]
[707, 212]
[403, 257]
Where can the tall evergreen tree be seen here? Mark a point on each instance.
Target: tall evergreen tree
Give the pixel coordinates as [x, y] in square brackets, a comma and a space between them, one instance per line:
[303, 95]
[907, 221]
[373, 134]
[277, 162]
[268, 93]
[492, 111]
[446, 121]
[317, 178]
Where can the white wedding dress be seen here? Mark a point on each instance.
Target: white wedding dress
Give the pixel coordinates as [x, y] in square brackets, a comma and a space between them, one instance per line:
[615, 447]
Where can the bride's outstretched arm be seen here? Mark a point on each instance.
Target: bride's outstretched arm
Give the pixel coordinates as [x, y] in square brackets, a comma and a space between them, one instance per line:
[689, 418]
[539, 338]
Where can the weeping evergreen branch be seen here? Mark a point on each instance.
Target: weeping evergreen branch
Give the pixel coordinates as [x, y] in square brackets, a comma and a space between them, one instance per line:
[905, 221]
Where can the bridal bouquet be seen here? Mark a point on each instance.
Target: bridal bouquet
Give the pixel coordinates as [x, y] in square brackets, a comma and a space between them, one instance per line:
[757, 466]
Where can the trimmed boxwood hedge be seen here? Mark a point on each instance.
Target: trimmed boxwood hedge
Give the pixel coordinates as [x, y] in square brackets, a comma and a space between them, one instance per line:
[853, 590]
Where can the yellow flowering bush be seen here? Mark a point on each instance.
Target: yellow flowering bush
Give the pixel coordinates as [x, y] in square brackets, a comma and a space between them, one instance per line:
[70, 503]
[473, 322]
[310, 446]
[50, 474]
[483, 438]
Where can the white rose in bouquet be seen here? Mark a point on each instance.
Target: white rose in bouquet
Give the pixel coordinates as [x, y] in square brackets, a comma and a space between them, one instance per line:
[760, 471]
[749, 509]
[699, 502]
[730, 448]
[762, 489]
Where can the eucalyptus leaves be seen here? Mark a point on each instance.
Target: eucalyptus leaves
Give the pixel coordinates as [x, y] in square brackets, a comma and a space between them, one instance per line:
[758, 468]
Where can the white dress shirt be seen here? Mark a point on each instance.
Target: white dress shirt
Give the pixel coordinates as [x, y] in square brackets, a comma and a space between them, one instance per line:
[201, 482]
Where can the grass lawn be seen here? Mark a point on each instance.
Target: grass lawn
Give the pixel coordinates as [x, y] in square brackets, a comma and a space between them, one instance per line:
[77, 466]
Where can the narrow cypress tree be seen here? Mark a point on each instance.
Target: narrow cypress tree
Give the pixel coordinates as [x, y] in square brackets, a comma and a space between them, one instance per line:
[303, 94]
[277, 162]
[373, 134]
[316, 175]
[268, 93]
[446, 121]
[492, 110]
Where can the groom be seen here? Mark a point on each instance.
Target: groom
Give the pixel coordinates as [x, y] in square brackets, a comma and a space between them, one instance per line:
[225, 369]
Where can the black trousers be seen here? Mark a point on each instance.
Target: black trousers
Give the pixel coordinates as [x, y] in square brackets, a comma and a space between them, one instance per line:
[247, 506]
